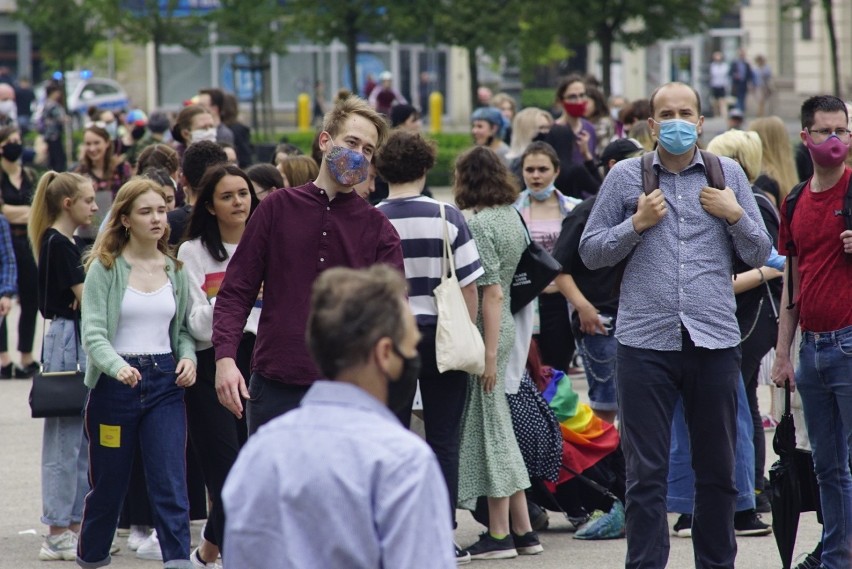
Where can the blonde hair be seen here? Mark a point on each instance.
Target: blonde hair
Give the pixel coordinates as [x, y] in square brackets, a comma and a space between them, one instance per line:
[778, 161]
[524, 129]
[298, 170]
[52, 189]
[641, 133]
[743, 146]
[111, 241]
[352, 105]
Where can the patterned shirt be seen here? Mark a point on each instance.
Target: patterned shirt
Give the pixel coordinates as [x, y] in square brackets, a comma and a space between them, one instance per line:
[678, 271]
[418, 222]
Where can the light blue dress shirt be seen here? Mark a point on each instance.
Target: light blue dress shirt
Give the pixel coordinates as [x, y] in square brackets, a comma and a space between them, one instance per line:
[678, 271]
[337, 483]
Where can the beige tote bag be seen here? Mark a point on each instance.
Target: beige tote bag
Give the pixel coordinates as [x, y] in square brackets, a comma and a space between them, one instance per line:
[458, 344]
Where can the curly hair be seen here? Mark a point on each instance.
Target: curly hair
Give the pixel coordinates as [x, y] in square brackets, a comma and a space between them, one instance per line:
[480, 179]
[405, 157]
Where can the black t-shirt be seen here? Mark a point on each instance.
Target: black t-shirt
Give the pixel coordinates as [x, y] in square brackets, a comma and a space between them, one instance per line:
[178, 220]
[598, 286]
[61, 258]
[15, 196]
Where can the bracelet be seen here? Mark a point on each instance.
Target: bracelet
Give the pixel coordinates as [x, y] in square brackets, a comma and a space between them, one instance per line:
[762, 277]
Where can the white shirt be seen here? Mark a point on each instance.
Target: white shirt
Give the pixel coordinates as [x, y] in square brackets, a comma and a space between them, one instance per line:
[144, 320]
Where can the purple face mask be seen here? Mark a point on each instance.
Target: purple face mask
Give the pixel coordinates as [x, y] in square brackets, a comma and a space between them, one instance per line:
[829, 154]
[347, 166]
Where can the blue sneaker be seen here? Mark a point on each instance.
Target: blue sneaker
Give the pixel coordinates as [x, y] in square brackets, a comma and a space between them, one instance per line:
[603, 526]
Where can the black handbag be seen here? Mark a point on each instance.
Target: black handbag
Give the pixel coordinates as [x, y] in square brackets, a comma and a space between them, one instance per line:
[58, 393]
[536, 269]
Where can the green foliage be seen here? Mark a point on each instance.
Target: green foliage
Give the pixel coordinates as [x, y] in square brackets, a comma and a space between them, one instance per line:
[256, 26]
[541, 98]
[64, 29]
[450, 145]
[122, 54]
[153, 21]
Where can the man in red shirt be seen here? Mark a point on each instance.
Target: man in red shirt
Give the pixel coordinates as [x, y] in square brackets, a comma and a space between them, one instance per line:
[293, 236]
[819, 248]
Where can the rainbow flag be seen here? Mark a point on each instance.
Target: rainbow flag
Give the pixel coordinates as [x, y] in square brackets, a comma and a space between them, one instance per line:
[586, 438]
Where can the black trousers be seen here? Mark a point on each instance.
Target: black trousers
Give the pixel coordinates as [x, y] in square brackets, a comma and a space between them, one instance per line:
[27, 296]
[757, 345]
[555, 338]
[270, 399]
[215, 432]
[650, 382]
[57, 160]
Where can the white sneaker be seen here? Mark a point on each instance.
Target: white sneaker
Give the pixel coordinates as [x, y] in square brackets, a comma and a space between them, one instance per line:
[150, 548]
[197, 562]
[138, 535]
[59, 547]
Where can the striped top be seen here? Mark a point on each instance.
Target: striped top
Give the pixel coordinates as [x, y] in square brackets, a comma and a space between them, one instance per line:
[418, 222]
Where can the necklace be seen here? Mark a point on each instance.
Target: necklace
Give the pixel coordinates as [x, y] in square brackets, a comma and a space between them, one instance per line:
[155, 266]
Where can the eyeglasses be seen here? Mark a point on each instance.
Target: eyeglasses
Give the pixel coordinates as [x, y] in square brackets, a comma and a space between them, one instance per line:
[826, 132]
[575, 97]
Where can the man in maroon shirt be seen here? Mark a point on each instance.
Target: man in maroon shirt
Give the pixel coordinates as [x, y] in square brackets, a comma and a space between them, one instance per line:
[293, 236]
[819, 248]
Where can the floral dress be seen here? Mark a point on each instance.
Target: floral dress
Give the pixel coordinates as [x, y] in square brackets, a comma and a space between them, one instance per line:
[490, 462]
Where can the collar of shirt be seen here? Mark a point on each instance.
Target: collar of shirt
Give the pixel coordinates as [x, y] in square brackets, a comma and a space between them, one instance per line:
[341, 394]
[697, 159]
[321, 195]
[566, 204]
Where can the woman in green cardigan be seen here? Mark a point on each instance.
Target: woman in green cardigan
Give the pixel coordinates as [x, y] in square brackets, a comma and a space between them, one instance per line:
[141, 357]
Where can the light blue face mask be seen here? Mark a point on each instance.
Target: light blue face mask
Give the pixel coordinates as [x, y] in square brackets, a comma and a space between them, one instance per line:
[677, 136]
[543, 194]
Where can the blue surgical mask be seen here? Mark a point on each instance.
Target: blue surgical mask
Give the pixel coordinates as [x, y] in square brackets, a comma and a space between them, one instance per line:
[348, 167]
[544, 193]
[677, 136]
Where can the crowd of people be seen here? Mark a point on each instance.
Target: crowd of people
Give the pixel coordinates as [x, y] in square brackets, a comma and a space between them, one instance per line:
[255, 335]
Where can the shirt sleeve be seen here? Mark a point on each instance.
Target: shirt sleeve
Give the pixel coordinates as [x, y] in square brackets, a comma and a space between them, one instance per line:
[465, 254]
[751, 241]
[8, 265]
[415, 496]
[389, 247]
[199, 313]
[608, 237]
[242, 282]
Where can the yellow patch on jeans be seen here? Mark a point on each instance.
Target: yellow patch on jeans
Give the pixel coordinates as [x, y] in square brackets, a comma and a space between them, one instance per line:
[111, 436]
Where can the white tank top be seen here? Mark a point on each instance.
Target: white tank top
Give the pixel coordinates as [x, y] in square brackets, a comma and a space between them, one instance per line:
[143, 324]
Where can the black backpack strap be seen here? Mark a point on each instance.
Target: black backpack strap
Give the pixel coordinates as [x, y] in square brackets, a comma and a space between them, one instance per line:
[789, 209]
[713, 170]
[650, 178]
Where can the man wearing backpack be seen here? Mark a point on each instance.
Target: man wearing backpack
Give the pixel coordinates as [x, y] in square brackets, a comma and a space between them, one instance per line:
[676, 329]
[816, 236]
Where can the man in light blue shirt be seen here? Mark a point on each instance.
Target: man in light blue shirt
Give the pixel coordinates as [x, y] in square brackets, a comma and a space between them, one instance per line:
[339, 482]
[677, 330]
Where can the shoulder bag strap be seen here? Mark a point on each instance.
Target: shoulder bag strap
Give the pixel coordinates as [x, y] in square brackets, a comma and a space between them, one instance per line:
[447, 257]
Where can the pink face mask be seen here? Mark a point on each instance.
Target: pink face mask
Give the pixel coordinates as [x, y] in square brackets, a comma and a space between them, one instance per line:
[829, 154]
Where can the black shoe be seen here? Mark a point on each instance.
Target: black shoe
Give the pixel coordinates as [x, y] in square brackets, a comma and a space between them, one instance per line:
[527, 544]
[761, 502]
[27, 371]
[489, 547]
[683, 526]
[747, 523]
[809, 562]
[538, 517]
[6, 371]
[462, 556]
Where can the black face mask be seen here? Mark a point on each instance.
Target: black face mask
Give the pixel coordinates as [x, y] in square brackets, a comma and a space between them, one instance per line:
[12, 151]
[410, 367]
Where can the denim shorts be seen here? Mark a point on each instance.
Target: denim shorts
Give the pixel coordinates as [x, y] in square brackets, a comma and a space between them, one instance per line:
[598, 353]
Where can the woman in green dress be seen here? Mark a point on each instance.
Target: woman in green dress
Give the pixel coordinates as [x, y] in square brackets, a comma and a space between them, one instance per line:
[491, 464]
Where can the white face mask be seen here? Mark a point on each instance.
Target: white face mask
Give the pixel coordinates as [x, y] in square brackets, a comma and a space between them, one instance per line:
[8, 108]
[200, 134]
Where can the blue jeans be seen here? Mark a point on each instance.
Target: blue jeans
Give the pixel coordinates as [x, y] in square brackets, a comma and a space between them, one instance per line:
[598, 352]
[119, 417]
[64, 456]
[824, 380]
[681, 495]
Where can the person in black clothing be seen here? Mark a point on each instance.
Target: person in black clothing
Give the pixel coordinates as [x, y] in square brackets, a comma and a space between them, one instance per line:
[196, 159]
[594, 295]
[17, 184]
[24, 98]
[242, 133]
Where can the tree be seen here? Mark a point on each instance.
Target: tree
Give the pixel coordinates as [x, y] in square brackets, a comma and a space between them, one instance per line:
[258, 29]
[832, 45]
[490, 25]
[634, 23]
[63, 29]
[161, 22]
[345, 20]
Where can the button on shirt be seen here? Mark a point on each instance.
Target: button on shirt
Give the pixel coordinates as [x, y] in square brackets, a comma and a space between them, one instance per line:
[337, 483]
[680, 270]
[292, 237]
